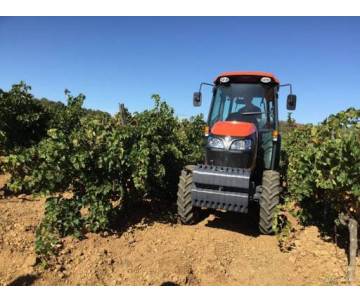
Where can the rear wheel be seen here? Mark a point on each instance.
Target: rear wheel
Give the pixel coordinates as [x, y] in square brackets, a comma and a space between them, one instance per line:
[269, 199]
[186, 212]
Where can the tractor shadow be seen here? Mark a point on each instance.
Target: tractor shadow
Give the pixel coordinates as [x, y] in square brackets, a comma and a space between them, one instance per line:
[246, 224]
[146, 213]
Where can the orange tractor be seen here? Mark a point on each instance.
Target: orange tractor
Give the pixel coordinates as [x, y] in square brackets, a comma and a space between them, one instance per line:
[242, 150]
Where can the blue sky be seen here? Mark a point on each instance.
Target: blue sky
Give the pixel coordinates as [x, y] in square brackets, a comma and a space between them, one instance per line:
[129, 58]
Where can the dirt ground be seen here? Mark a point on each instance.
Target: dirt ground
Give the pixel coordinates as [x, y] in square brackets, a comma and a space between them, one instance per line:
[223, 249]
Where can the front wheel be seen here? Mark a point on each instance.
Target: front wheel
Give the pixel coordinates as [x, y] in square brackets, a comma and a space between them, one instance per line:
[269, 199]
[186, 212]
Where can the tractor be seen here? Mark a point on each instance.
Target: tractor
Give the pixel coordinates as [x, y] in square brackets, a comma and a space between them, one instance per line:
[242, 150]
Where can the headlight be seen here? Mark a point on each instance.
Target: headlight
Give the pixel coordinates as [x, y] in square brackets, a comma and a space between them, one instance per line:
[241, 145]
[214, 142]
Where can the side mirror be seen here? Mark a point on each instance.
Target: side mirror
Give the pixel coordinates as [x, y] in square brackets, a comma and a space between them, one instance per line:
[291, 102]
[197, 99]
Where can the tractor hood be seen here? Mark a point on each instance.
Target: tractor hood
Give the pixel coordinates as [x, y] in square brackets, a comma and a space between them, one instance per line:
[230, 132]
[233, 128]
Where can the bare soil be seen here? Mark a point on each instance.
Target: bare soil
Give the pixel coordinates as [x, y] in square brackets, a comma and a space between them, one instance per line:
[223, 249]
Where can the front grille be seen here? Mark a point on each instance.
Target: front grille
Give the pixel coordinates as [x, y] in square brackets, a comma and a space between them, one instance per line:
[227, 158]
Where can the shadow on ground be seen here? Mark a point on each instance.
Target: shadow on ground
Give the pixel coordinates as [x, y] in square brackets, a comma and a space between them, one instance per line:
[24, 280]
[169, 283]
[234, 222]
[145, 213]
[321, 215]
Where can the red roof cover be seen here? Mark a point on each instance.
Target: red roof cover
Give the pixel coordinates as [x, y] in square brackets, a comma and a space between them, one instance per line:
[248, 73]
[233, 128]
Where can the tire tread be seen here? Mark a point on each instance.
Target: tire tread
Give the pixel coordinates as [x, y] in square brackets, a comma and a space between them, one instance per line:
[186, 212]
[269, 200]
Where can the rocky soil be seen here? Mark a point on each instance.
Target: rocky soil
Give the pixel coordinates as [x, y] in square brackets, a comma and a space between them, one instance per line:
[223, 249]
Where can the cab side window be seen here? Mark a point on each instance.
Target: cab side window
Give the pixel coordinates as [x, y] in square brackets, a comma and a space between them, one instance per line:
[215, 115]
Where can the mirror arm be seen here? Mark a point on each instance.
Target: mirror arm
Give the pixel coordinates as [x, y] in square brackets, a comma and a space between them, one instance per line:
[203, 83]
[288, 84]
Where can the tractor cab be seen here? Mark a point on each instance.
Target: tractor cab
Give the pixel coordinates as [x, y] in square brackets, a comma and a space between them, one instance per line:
[243, 111]
[242, 149]
[241, 102]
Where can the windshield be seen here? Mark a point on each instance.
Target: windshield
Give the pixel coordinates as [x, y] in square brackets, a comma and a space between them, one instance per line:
[252, 103]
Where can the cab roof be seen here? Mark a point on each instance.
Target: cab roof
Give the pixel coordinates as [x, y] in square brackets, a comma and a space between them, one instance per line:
[247, 76]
